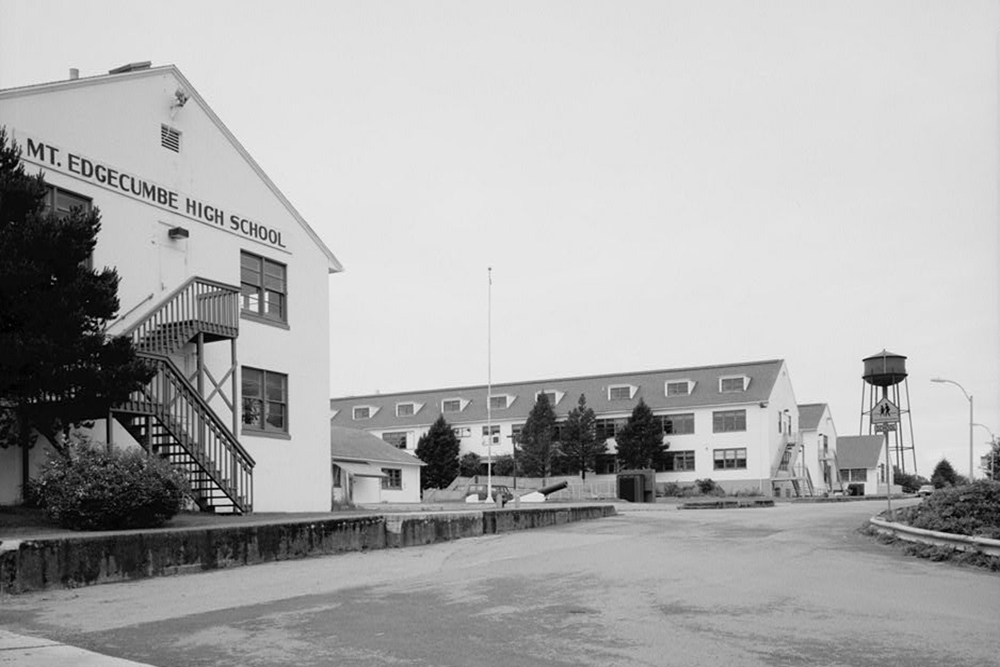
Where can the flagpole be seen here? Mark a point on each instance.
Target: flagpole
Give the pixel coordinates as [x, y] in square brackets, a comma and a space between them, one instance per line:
[489, 386]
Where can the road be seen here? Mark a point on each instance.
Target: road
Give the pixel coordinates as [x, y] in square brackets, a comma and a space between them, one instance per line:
[789, 585]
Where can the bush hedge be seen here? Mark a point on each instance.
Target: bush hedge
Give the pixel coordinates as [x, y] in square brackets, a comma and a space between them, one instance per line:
[93, 489]
[972, 509]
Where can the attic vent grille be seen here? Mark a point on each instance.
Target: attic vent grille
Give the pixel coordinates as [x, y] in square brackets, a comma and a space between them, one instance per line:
[170, 138]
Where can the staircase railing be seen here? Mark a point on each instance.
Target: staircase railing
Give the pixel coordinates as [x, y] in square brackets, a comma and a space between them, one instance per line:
[788, 449]
[176, 403]
[214, 305]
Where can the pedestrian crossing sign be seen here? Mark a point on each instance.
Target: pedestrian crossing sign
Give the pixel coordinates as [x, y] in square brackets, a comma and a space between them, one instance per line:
[885, 412]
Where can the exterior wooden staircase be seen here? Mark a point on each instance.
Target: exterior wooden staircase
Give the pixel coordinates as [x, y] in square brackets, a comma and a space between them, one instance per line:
[786, 470]
[170, 417]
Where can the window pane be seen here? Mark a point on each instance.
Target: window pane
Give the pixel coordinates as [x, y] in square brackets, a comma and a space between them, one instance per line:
[275, 387]
[248, 261]
[250, 297]
[277, 284]
[253, 381]
[276, 305]
[404, 409]
[253, 412]
[276, 415]
[275, 271]
[395, 438]
[250, 275]
[66, 201]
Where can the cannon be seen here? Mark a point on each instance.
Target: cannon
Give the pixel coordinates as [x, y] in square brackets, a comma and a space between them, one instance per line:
[541, 494]
[552, 488]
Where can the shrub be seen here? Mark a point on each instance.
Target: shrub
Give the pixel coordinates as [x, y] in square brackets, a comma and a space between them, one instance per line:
[708, 487]
[92, 489]
[469, 464]
[973, 509]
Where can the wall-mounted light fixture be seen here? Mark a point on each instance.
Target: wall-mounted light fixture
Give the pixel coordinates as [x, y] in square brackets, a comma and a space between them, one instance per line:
[178, 233]
[180, 98]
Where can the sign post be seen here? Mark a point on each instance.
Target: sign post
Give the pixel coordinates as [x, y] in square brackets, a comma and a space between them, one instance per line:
[884, 417]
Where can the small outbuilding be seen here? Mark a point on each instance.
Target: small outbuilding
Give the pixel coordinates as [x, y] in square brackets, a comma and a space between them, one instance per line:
[862, 464]
[368, 470]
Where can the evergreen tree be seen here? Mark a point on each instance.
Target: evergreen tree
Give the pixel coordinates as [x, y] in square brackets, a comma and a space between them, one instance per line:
[503, 465]
[58, 367]
[944, 475]
[640, 442]
[537, 447]
[438, 448]
[470, 464]
[580, 445]
[992, 465]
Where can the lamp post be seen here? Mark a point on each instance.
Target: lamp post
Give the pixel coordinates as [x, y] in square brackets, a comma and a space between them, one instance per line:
[971, 420]
[993, 440]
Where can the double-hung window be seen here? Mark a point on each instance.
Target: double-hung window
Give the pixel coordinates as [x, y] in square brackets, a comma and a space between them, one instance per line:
[265, 401]
[62, 202]
[726, 459]
[263, 288]
[682, 424]
[679, 461]
[724, 421]
[393, 479]
[395, 438]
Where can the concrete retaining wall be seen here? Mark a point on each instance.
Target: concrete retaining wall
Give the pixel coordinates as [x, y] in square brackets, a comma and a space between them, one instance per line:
[65, 562]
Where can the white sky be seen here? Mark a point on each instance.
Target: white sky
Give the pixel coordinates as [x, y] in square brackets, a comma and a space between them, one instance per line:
[655, 184]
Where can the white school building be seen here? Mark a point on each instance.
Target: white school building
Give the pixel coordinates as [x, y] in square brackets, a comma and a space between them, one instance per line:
[224, 286]
[737, 424]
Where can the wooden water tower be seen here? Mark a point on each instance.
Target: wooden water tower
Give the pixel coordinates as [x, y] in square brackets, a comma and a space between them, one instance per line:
[886, 410]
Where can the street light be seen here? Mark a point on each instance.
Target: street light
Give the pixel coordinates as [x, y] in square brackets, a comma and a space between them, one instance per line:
[993, 454]
[971, 421]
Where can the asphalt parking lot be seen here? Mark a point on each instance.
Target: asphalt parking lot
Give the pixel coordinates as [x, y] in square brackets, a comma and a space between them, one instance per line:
[789, 585]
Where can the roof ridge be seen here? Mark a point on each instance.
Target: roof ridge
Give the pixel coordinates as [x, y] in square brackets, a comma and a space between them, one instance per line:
[559, 379]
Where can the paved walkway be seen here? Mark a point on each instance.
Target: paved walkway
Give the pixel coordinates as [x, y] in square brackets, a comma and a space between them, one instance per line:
[26, 651]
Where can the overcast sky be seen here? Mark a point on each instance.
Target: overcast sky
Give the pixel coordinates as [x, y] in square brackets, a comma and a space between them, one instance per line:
[655, 184]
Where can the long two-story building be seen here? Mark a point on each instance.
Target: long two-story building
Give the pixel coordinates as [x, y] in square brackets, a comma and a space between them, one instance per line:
[734, 423]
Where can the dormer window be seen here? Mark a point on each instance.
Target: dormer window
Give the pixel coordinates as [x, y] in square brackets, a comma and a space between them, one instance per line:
[408, 409]
[501, 402]
[363, 412]
[733, 384]
[678, 387]
[553, 395]
[453, 404]
[622, 392]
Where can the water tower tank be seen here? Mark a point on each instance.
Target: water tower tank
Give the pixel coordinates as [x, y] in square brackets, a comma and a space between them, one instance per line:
[885, 369]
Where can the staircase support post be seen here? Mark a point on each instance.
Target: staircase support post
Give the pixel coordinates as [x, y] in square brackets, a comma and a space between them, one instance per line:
[236, 405]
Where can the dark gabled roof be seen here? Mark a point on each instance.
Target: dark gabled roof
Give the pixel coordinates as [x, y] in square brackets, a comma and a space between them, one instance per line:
[350, 444]
[809, 415]
[859, 451]
[649, 384]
